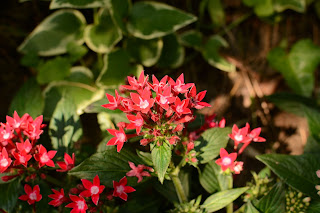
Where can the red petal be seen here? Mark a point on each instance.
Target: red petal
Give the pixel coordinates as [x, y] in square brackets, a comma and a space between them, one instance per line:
[119, 146]
[223, 153]
[86, 183]
[128, 189]
[96, 181]
[112, 141]
[85, 193]
[123, 196]
[27, 189]
[24, 197]
[123, 181]
[51, 154]
[95, 199]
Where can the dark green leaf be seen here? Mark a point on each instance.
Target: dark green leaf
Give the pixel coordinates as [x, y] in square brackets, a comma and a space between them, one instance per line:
[80, 74]
[250, 208]
[297, 5]
[76, 51]
[150, 19]
[116, 68]
[146, 157]
[65, 127]
[28, 99]
[9, 194]
[212, 179]
[146, 52]
[119, 10]
[104, 35]
[274, 201]
[210, 143]
[312, 146]
[109, 165]
[216, 12]
[297, 171]
[55, 4]
[298, 66]
[167, 190]
[53, 70]
[161, 157]
[314, 207]
[172, 54]
[313, 116]
[262, 8]
[221, 199]
[192, 39]
[52, 35]
[211, 54]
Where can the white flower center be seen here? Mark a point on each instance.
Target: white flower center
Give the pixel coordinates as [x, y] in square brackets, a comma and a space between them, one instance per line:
[138, 122]
[6, 135]
[226, 161]
[121, 137]
[22, 159]
[27, 149]
[80, 204]
[179, 109]
[94, 190]
[163, 100]
[60, 197]
[120, 189]
[33, 196]
[44, 158]
[144, 104]
[238, 137]
[4, 162]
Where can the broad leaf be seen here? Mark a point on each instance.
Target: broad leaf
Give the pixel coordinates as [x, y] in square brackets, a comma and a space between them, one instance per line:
[161, 157]
[119, 10]
[297, 5]
[65, 127]
[262, 8]
[212, 179]
[221, 199]
[116, 68]
[109, 165]
[146, 52]
[104, 35]
[314, 207]
[313, 116]
[76, 51]
[297, 171]
[53, 70]
[151, 19]
[216, 12]
[211, 54]
[55, 4]
[293, 103]
[53, 34]
[167, 190]
[274, 201]
[28, 99]
[312, 146]
[9, 194]
[298, 66]
[146, 157]
[210, 143]
[80, 74]
[192, 39]
[172, 54]
[250, 208]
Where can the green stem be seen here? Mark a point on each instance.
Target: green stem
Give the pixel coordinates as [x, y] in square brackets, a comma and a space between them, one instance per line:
[230, 186]
[178, 186]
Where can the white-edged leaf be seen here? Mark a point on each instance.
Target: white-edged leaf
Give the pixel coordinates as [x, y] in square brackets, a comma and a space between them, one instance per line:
[55, 4]
[161, 157]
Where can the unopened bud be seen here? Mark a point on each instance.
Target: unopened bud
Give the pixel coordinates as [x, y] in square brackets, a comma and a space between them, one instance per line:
[317, 187]
[306, 200]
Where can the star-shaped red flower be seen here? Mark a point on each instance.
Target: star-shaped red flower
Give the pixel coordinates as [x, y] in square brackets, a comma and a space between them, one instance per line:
[121, 190]
[32, 195]
[93, 190]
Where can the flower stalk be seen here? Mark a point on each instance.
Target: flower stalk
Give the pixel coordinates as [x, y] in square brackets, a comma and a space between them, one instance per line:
[178, 185]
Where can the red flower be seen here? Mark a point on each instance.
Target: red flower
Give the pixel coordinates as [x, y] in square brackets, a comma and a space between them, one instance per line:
[136, 122]
[58, 198]
[24, 146]
[253, 135]
[238, 167]
[136, 85]
[5, 161]
[158, 86]
[143, 103]
[227, 160]
[181, 107]
[6, 134]
[239, 135]
[93, 189]
[79, 204]
[44, 157]
[33, 130]
[121, 190]
[165, 98]
[179, 86]
[22, 158]
[197, 98]
[68, 163]
[114, 102]
[16, 121]
[32, 195]
[119, 139]
[138, 172]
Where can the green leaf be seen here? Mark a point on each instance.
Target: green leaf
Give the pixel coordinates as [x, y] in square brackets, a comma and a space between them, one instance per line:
[191, 38]
[211, 54]
[65, 127]
[296, 5]
[298, 66]
[262, 8]
[210, 143]
[146, 52]
[312, 146]
[221, 199]
[314, 207]
[80, 74]
[109, 165]
[274, 201]
[76, 51]
[313, 116]
[55, 4]
[211, 178]
[53, 34]
[116, 68]
[53, 70]
[146, 157]
[216, 12]
[167, 190]
[148, 20]
[292, 103]
[172, 54]
[9, 194]
[119, 10]
[250, 208]
[104, 35]
[161, 157]
[28, 99]
[297, 171]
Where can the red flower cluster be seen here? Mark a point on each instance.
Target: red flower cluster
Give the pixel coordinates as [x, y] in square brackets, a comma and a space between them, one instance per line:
[155, 110]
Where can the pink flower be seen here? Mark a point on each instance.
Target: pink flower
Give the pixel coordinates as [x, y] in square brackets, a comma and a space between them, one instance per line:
[138, 171]
[121, 190]
[238, 167]
[5, 161]
[239, 135]
[33, 129]
[6, 134]
[158, 86]
[136, 122]
[197, 98]
[226, 160]
[165, 98]
[119, 139]
[92, 189]
[44, 157]
[32, 195]
[79, 204]
[58, 198]
[253, 135]
[67, 164]
[179, 86]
